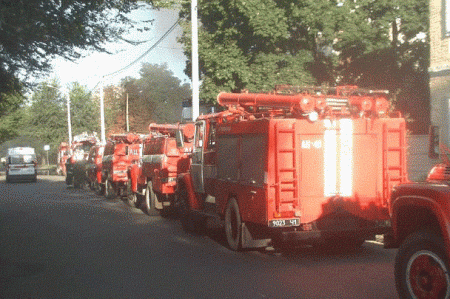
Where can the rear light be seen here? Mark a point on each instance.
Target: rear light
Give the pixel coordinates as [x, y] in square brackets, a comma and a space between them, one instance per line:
[381, 105]
[439, 172]
[366, 105]
[307, 104]
[321, 104]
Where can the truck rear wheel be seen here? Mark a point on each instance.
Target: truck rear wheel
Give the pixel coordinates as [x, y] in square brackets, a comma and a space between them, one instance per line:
[191, 223]
[99, 188]
[69, 179]
[150, 200]
[233, 225]
[131, 198]
[110, 193]
[421, 269]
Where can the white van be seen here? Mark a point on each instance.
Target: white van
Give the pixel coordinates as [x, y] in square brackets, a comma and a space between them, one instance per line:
[21, 164]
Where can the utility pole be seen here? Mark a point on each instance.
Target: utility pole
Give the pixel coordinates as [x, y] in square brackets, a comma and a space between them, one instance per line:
[128, 124]
[102, 112]
[195, 74]
[69, 121]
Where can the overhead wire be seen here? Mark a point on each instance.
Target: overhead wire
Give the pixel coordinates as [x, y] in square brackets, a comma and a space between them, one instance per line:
[142, 55]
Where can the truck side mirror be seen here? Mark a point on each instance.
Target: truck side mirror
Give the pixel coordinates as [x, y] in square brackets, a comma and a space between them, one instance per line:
[433, 149]
[179, 138]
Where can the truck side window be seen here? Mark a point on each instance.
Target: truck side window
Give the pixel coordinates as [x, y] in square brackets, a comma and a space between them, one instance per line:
[199, 134]
[212, 136]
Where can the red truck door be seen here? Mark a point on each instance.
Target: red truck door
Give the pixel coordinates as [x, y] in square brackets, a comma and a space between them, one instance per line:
[197, 157]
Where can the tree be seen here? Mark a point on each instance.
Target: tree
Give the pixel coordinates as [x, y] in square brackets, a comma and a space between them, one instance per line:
[10, 116]
[384, 44]
[162, 93]
[155, 97]
[44, 120]
[85, 112]
[33, 32]
[255, 44]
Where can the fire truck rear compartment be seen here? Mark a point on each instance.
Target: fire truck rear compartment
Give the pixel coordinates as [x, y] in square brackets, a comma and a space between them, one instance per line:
[332, 178]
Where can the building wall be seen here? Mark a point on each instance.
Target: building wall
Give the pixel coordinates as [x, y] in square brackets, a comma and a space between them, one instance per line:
[440, 67]
[418, 161]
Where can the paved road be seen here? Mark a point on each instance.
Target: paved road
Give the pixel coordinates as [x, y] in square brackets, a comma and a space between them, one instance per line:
[57, 242]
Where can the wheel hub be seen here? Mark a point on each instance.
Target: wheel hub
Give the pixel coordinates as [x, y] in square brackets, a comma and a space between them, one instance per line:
[426, 276]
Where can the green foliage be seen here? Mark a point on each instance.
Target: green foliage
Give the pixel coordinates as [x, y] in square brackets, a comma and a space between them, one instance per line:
[33, 32]
[85, 113]
[43, 121]
[10, 115]
[162, 94]
[155, 97]
[256, 44]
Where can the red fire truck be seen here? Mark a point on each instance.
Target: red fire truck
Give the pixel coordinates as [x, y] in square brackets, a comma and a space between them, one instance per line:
[421, 228]
[94, 168]
[63, 155]
[296, 165]
[152, 182]
[121, 151]
[75, 164]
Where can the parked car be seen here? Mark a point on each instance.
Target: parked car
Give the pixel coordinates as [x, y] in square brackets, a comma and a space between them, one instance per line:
[21, 164]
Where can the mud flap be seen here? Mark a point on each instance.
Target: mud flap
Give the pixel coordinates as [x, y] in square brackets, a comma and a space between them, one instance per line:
[249, 242]
[158, 204]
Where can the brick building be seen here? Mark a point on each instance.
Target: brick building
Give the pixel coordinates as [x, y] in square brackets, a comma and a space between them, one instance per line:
[440, 67]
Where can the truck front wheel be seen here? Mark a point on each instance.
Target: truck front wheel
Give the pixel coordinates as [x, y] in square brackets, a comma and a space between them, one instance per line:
[233, 225]
[150, 200]
[131, 199]
[110, 193]
[421, 268]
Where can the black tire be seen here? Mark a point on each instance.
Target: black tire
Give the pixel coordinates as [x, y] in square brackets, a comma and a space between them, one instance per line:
[233, 225]
[191, 223]
[132, 198]
[69, 179]
[99, 188]
[110, 193]
[76, 182]
[421, 267]
[149, 201]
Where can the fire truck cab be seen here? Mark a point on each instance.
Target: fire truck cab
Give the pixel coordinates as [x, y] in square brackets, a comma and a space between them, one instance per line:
[121, 151]
[94, 168]
[63, 155]
[152, 182]
[296, 165]
[75, 164]
[420, 215]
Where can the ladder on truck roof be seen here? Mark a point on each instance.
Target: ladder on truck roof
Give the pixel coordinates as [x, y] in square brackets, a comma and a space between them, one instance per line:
[394, 160]
[286, 168]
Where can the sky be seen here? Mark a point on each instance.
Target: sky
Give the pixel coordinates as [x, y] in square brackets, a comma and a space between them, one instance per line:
[89, 69]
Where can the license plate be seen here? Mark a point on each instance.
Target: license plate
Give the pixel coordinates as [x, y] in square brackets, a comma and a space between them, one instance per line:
[284, 222]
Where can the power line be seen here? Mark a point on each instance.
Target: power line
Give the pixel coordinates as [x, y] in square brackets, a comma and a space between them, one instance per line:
[144, 54]
[148, 51]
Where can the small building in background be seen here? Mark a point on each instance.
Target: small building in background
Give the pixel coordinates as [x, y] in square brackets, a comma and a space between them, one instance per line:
[439, 69]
